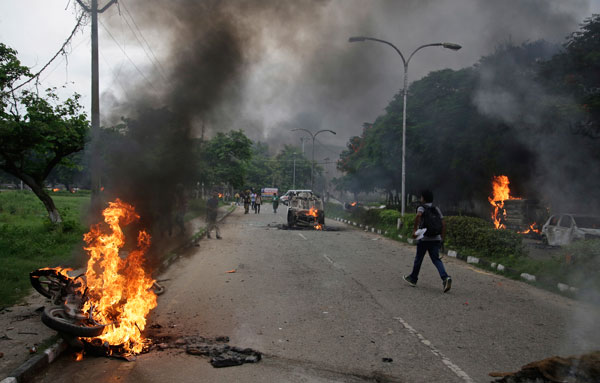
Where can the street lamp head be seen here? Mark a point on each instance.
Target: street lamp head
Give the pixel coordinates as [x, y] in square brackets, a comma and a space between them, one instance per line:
[452, 46]
[355, 39]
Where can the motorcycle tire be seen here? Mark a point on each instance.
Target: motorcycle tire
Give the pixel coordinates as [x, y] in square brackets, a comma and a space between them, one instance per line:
[55, 318]
[37, 277]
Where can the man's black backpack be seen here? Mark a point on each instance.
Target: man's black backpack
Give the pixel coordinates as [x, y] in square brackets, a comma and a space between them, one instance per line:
[432, 221]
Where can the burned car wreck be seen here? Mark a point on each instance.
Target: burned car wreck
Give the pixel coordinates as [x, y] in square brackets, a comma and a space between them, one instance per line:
[563, 229]
[306, 209]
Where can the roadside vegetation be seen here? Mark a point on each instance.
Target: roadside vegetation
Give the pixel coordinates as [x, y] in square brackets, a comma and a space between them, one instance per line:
[576, 264]
[28, 240]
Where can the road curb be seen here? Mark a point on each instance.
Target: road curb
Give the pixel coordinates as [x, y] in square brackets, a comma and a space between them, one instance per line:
[27, 370]
[561, 287]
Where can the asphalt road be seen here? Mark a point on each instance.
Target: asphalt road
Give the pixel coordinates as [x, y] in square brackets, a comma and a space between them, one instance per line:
[329, 306]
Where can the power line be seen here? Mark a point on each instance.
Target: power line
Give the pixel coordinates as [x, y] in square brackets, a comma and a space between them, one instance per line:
[59, 63]
[115, 74]
[61, 50]
[156, 62]
[126, 55]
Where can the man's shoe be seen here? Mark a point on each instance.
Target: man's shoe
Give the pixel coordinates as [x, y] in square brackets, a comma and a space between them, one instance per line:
[447, 284]
[219, 237]
[409, 280]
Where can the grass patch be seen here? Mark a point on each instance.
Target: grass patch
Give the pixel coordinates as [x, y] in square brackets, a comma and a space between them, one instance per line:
[29, 241]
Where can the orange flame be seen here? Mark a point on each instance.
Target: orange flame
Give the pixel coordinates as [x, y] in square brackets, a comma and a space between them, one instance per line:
[55, 190]
[353, 203]
[501, 193]
[220, 195]
[118, 289]
[531, 228]
[318, 227]
[313, 212]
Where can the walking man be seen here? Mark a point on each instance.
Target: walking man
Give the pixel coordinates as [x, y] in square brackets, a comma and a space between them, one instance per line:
[246, 198]
[429, 230]
[275, 203]
[257, 203]
[212, 207]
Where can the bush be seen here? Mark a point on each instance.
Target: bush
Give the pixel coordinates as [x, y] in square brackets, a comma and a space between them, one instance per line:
[479, 237]
[468, 235]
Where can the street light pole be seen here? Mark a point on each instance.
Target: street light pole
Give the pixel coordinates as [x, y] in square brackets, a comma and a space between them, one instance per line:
[313, 136]
[452, 46]
[294, 179]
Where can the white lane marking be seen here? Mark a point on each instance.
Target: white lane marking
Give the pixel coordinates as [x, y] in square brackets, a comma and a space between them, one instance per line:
[300, 234]
[328, 259]
[453, 367]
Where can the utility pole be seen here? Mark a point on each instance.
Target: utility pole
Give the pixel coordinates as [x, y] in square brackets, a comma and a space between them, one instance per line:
[95, 152]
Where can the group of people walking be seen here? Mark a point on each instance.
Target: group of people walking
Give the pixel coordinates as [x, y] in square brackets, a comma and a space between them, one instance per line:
[253, 200]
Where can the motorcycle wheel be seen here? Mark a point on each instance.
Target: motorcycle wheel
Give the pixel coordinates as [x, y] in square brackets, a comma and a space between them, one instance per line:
[56, 318]
[48, 281]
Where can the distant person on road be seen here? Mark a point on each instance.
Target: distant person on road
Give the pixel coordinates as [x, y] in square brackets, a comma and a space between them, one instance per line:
[212, 207]
[253, 199]
[237, 199]
[247, 201]
[429, 230]
[275, 203]
[257, 203]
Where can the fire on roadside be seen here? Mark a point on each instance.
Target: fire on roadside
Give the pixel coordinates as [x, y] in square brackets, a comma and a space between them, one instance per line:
[353, 203]
[56, 190]
[119, 289]
[533, 228]
[220, 195]
[501, 193]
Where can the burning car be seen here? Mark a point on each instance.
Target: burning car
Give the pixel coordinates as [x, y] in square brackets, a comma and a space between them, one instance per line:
[285, 199]
[563, 229]
[306, 209]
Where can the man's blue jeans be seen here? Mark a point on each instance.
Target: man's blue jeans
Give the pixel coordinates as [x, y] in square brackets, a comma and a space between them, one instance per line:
[433, 247]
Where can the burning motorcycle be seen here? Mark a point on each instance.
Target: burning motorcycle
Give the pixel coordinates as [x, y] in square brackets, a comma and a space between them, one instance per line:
[69, 298]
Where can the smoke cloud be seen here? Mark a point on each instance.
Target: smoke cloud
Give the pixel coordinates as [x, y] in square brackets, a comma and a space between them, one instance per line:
[269, 66]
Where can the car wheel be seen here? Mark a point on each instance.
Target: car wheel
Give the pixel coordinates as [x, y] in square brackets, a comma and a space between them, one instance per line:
[291, 219]
[545, 240]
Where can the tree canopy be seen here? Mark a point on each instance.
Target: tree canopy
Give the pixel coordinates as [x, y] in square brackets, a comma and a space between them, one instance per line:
[37, 133]
[529, 111]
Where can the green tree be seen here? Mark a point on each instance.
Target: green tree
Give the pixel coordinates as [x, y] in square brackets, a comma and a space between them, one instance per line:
[226, 158]
[36, 133]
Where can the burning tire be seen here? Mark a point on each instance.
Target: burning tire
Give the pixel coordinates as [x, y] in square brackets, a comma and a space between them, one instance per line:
[56, 318]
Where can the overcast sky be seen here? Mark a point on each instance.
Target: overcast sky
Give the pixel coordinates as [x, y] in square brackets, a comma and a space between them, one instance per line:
[298, 70]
